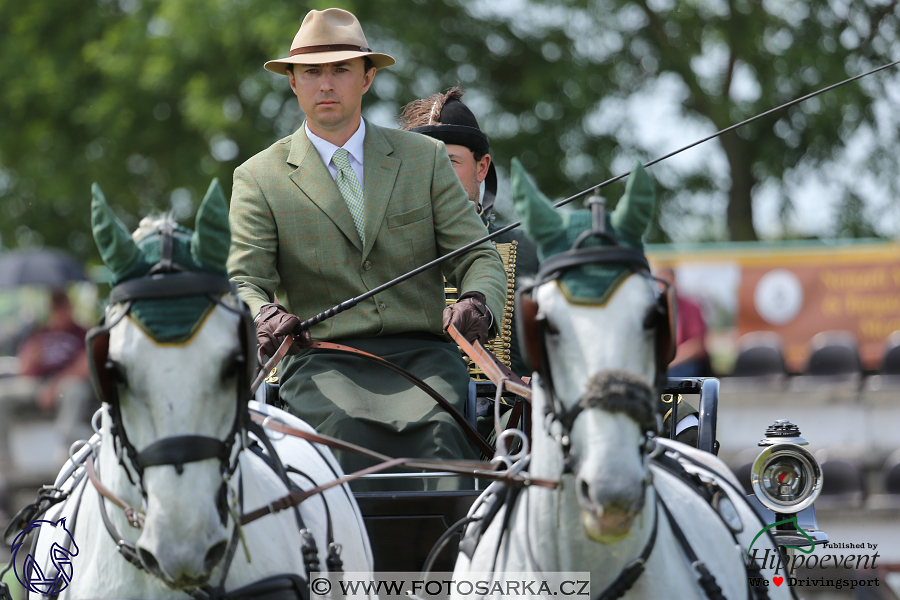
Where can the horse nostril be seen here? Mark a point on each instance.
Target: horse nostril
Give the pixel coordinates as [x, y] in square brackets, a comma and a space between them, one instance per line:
[149, 561]
[585, 490]
[214, 555]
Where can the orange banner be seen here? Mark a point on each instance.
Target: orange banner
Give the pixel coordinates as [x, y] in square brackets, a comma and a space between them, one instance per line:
[798, 302]
[800, 290]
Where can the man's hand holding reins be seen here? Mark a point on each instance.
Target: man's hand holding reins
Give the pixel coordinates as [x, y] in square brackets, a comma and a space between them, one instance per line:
[273, 325]
[471, 317]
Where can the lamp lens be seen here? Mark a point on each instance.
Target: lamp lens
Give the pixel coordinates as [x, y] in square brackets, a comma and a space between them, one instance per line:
[784, 479]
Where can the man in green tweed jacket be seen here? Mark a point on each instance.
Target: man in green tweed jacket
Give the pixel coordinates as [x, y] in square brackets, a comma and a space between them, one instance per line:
[336, 209]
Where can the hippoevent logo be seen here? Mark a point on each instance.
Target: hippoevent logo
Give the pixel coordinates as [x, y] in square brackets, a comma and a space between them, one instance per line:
[59, 570]
[786, 565]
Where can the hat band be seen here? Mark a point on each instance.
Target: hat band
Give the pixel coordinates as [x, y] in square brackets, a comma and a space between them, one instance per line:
[328, 48]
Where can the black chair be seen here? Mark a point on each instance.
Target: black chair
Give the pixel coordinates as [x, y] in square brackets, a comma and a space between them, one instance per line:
[759, 355]
[891, 474]
[890, 360]
[844, 483]
[834, 354]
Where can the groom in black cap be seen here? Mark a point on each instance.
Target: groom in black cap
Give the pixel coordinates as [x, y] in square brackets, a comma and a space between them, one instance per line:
[446, 118]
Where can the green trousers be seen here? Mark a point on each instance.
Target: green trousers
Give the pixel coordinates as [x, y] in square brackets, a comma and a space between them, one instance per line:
[358, 401]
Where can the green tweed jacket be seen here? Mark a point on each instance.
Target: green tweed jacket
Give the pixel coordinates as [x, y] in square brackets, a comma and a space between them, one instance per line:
[292, 235]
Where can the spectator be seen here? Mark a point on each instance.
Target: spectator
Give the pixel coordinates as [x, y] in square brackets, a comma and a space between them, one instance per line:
[53, 374]
[691, 358]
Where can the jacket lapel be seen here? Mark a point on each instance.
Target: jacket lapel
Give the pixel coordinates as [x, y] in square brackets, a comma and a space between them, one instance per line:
[380, 174]
[314, 180]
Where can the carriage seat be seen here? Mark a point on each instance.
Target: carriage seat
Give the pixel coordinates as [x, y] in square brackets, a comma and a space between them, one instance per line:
[501, 344]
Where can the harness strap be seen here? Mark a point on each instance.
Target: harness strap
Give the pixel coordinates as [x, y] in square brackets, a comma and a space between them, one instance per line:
[47, 497]
[674, 467]
[128, 551]
[706, 579]
[635, 569]
[470, 468]
[308, 547]
[461, 467]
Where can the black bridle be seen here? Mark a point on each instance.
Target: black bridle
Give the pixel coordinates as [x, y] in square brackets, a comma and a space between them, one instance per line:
[167, 279]
[532, 328]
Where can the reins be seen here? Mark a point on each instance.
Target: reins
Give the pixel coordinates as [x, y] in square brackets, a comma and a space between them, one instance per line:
[470, 468]
[135, 518]
[483, 446]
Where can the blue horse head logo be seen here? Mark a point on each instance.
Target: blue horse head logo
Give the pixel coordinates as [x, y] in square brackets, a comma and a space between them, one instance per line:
[59, 571]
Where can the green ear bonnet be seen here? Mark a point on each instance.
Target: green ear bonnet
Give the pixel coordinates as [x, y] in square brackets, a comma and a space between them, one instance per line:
[166, 320]
[555, 231]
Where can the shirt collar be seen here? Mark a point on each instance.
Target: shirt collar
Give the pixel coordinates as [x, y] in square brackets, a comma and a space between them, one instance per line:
[326, 149]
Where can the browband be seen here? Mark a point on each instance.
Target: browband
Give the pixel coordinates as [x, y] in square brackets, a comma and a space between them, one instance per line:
[584, 256]
[170, 286]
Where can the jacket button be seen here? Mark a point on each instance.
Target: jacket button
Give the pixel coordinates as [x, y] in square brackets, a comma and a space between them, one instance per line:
[382, 306]
[367, 265]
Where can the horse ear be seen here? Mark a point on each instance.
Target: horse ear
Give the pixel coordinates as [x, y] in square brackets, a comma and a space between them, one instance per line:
[118, 250]
[540, 220]
[635, 209]
[212, 234]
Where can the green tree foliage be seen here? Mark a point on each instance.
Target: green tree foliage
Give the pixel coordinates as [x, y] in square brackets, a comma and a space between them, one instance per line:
[153, 98]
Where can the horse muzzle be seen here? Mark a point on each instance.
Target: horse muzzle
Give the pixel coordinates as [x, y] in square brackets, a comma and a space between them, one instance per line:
[608, 515]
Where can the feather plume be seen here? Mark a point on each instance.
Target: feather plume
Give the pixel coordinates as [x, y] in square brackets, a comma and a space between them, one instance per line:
[427, 111]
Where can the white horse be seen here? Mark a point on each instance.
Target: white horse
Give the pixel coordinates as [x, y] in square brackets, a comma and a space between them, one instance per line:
[172, 366]
[616, 513]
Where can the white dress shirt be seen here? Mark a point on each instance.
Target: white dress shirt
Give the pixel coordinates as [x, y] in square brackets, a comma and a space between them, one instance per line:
[354, 148]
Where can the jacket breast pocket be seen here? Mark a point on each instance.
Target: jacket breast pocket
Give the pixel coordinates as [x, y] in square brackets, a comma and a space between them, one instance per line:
[411, 216]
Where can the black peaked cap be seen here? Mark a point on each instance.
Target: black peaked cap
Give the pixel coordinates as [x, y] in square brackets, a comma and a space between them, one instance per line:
[457, 126]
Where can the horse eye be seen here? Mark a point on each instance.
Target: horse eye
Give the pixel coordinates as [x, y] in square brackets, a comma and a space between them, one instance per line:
[233, 365]
[116, 373]
[652, 318]
[549, 327]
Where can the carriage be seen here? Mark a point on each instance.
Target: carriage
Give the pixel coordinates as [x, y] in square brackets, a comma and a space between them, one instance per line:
[225, 515]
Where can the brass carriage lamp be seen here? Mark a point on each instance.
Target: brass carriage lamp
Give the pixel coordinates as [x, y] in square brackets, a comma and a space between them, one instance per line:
[786, 479]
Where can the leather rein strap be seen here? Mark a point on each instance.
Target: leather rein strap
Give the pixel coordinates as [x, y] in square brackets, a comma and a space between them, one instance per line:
[471, 468]
[467, 427]
[495, 370]
[135, 518]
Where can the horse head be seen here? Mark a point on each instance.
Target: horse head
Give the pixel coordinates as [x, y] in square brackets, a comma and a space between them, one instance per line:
[596, 328]
[172, 363]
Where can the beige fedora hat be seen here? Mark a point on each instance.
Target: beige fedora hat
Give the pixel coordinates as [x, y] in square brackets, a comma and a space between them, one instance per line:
[328, 36]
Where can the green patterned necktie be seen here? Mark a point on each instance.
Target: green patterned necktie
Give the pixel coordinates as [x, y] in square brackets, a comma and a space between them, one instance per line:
[351, 191]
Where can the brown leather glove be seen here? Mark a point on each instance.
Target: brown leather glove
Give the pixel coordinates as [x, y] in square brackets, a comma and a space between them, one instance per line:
[273, 325]
[470, 316]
